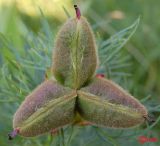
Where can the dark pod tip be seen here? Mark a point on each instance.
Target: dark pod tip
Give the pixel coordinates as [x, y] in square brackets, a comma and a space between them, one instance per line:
[150, 119]
[13, 134]
[78, 12]
[9, 137]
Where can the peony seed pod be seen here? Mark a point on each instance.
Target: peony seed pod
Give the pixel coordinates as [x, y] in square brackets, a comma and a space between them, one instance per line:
[104, 103]
[49, 106]
[74, 57]
[76, 97]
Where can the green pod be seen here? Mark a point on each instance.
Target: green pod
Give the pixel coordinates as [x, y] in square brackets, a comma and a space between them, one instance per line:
[74, 56]
[105, 103]
[49, 106]
[113, 93]
[76, 96]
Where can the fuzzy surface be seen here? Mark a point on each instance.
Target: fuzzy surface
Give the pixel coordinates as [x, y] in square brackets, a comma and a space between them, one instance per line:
[113, 93]
[46, 104]
[103, 113]
[74, 57]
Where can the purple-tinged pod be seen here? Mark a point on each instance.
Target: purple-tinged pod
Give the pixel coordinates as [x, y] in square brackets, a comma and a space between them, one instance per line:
[75, 56]
[49, 106]
[105, 103]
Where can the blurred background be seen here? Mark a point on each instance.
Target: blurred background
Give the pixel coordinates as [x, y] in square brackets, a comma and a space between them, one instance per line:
[26, 24]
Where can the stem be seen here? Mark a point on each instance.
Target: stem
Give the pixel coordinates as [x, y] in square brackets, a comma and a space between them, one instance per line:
[70, 137]
[62, 136]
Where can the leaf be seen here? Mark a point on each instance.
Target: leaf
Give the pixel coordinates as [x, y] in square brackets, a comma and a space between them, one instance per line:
[66, 12]
[117, 41]
[109, 51]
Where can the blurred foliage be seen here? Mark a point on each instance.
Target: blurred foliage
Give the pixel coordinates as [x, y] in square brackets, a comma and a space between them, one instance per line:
[26, 41]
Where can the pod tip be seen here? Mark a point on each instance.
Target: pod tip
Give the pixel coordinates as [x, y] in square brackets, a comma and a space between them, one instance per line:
[150, 119]
[78, 12]
[13, 134]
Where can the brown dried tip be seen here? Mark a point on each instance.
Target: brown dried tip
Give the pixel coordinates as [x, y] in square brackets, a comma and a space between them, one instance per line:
[78, 12]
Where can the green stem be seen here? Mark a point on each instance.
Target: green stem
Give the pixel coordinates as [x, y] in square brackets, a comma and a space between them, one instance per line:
[62, 136]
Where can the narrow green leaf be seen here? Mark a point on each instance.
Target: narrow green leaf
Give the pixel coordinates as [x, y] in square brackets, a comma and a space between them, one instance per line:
[112, 46]
[66, 12]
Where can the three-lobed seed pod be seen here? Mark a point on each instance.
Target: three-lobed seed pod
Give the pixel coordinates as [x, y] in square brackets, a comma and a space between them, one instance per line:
[76, 90]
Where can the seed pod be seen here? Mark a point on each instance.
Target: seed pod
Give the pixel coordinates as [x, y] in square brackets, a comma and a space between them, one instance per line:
[74, 57]
[53, 105]
[49, 106]
[107, 104]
